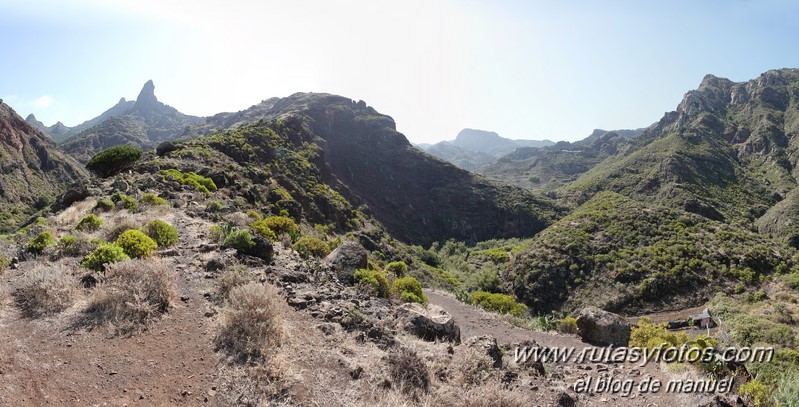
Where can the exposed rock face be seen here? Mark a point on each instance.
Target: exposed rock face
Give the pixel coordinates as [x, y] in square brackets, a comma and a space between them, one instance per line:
[597, 326]
[33, 171]
[431, 323]
[262, 248]
[487, 345]
[347, 258]
[146, 99]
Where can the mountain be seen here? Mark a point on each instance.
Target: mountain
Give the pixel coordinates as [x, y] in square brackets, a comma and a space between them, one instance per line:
[33, 170]
[701, 202]
[728, 152]
[551, 167]
[474, 148]
[143, 123]
[419, 198]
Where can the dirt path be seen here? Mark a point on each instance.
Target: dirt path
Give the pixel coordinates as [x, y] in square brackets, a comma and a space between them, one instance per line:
[474, 321]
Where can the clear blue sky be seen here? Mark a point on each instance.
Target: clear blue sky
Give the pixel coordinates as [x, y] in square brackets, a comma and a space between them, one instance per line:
[525, 69]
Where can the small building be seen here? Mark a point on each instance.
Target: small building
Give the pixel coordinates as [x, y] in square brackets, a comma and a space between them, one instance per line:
[703, 320]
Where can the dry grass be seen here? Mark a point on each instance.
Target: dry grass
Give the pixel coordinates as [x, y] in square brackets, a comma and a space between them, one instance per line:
[70, 217]
[46, 290]
[131, 295]
[231, 278]
[471, 367]
[408, 371]
[252, 328]
[492, 394]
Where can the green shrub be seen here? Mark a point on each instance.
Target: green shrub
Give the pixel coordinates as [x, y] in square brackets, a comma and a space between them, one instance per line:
[38, 244]
[104, 205]
[214, 206]
[200, 183]
[262, 229]
[75, 246]
[374, 279]
[128, 203]
[408, 289]
[113, 160]
[755, 392]
[787, 393]
[153, 200]
[792, 280]
[162, 233]
[254, 215]
[311, 247]
[136, 244]
[239, 239]
[281, 225]
[502, 303]
[397, 268]
[89, 223]
[4, 263]
[568, 325]
[103, 255]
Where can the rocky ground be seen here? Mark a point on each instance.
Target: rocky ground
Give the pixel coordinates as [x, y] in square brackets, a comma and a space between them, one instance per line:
[342, 347]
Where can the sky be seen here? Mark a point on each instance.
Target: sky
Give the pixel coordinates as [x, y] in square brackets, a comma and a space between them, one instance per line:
[524, 69]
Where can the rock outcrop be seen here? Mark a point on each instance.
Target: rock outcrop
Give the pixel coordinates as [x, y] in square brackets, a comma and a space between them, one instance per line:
[602, 327]
[431, 323]
[347, 258]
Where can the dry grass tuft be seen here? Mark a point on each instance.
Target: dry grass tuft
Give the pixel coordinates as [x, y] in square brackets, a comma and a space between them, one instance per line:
[132, 294]
[231, 278]
[471, 367]
[489, 394]
[408, 370]
[252, 328]
[46, 290]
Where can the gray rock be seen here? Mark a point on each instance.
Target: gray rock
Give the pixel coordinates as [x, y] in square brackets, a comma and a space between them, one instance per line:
[262, 248]
[602, 327]
[431, 323]
[347, 258]
[487, 345]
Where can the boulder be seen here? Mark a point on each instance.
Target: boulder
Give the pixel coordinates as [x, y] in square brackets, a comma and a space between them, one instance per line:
[165, 148]
[431, 323]
[262, 248]
[487, 345]
[347, 258]
[72, 195]
[602, 327]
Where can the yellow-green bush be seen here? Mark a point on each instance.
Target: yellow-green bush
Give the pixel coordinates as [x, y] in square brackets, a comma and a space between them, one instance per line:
[756, 393]
[261, 228]
[241, 240]
[311, 247]
[502, 303]
[375, 279]
[162, 233]
[38, 244]
[104, 205]
[650, 335]
[568, 325]
[127, 202]
[397, 268]
[281, 225]
[104, 255]
[89, 223]
[408, 289]
[199, 182]
[153, 200]
[136, 244]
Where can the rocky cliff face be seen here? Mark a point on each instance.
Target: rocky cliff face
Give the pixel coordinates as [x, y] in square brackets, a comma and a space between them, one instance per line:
[33, 170]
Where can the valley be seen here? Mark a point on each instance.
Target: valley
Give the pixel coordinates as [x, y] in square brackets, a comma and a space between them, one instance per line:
[303, 252]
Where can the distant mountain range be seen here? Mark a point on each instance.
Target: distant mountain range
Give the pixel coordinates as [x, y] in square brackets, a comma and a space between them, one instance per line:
[474, 148]
[143, 123]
